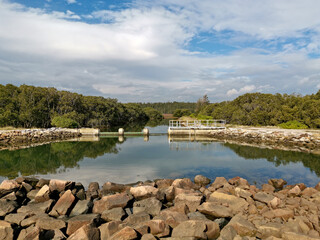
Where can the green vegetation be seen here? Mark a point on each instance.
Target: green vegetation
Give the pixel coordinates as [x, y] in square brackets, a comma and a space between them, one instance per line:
[153, 114]
[258, 109]
[29, 106]
[293, 125]
[170, 107]
[182, 112]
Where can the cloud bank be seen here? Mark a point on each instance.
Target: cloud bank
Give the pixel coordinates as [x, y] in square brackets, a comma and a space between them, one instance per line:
[165, 51]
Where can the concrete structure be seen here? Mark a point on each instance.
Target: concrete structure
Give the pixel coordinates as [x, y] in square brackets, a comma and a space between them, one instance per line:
[194, 127]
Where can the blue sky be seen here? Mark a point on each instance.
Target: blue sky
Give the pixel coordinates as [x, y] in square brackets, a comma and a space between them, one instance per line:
[165, 50]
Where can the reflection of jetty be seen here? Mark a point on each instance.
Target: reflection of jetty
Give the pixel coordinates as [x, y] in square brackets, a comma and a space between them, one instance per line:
[194, 127]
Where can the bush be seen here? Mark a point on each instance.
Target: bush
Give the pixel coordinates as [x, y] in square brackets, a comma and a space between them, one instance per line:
[153, 114]
[64, 122]
[181, 112]
[293, 125]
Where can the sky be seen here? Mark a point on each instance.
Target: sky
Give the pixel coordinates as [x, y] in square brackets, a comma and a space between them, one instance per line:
[164, 50]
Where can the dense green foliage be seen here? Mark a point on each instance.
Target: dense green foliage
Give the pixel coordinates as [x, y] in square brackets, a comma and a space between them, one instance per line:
[170, 107]
[153, 114]
[28, 106]
[182, 112]
[260, 109]
[293, 125]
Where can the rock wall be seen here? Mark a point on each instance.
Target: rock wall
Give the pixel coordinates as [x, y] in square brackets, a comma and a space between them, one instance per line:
[162, 209]
[36, 135]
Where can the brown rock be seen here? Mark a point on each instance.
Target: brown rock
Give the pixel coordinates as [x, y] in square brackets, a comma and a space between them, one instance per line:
[227, 233]
[7, 207]
[201, 180]
[64, 204]
[82, 207]
[268, 188]
[112, 188]
[279, 213]
[30, 233]
[59, 185]
[54, 235]
[42, 182]
[136, 218]
[9, 185]
[218, 183]
[164, 183]
[239, 182]
[308, 192]
[192, 201]
[158, 228]
[184, 183]
[213, 230]
[86, 232]
[142, 192]
[32, 194]
[296, 236]
[277, 183]
[108, 229]
[43, 194]
[35, 208]
[269, 229]
[111, 201]
[26, 186]
[151, 206]
[16, 218]
[11, 196]
[172, 218]
[6, 231]
[93, 191]
[48, 223]
[263, 197]
[295, 191]
[217, 211]
[242, 226]
[239, 192]
[78, 221]
[148, 236]
[114, 214]
[236, 204]
[169, 193]
[126, 233]
[191, 228]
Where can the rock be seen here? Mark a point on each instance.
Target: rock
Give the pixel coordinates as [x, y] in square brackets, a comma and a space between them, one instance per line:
[242, 226]
[112, 188]
[184, 183]
[236, 204]
[34, 207]
[252, 209]
[111, 201]
[169, 193]
[196, 216]
[158, 228]
[277, 183]
[136, 218]
[11, 196]
[114, 214]
[269, 229]
[9, 185]
[268, 188]
[201, 180]
[42, 182]
[163, 183]
[93, 191]
[43, 194]
[217, 211]
[54, 235]
[193, 201]
[142, 192]
[82, 207]
[190, 228]
[6, 231]
[227, 233]
[7, 206]
[77, 222]
[32, 194]
[16, 218]
[263, 197]
[148, 236]
[213, 230]
[49, 223]
[151, 206]
[172, 218]
[294, 191]
[275, 202]
[308, 192]
[27, 187]
[239, 192]
[126, 233]
[63, 206]
[59, 185]
[108, 229]
[219, 182]
[86, 232]
[296, 236]
[30, 233]
[279, 213]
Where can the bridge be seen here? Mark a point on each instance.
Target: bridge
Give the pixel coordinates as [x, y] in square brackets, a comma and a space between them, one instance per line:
[197, 124]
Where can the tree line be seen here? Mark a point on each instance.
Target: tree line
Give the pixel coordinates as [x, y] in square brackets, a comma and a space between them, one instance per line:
[170, 107]
[29, 106]
[259, 109]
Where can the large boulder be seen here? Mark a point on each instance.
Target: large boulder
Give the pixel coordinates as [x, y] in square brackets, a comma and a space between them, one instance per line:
[215, 210]
[184, 183]
[77, 222]
[108, 229]
[191, 228]
[201, 180]
[114, 214]
[277, 183]
[34, 207]
[173, 218]
[151, 206]
[59, 185]
[235, 204]
[43, 194]
[32, 232]
[142, 192]
[86, 232]
[112, 188]
[82, 207]
[126, 233]
[49, 223]
[192, 201]
[6, 231]
[64, 204]
[7, 207]
[111, 201]
[242, 226]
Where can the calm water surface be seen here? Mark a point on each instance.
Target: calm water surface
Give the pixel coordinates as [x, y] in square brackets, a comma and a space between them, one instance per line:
[137, 160]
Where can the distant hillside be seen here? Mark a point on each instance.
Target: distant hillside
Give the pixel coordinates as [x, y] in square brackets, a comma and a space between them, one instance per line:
[170, 107]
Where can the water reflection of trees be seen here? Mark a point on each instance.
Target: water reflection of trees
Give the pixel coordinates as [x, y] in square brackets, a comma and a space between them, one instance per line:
[278, 157]
[52, 158]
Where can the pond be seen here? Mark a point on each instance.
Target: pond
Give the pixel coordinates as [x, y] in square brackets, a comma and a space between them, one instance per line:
[134, 159]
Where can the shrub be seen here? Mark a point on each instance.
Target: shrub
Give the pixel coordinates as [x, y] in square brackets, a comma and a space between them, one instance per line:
[64, 122]
[293, 125]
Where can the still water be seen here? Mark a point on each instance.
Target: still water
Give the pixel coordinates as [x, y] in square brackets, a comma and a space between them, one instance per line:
[134, 160]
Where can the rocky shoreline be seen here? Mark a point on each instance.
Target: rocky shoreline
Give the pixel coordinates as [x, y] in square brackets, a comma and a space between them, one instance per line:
[16, 137]
[32, 208]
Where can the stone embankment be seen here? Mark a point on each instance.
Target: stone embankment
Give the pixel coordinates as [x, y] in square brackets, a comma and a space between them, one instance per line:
[160, 209]
[36, 135]
[305, 140]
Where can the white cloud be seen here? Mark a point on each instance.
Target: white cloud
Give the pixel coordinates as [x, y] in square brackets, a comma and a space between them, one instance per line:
[71, 1]
[141, 53]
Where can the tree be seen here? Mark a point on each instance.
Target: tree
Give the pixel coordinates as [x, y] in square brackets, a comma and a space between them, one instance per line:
[201, 103]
